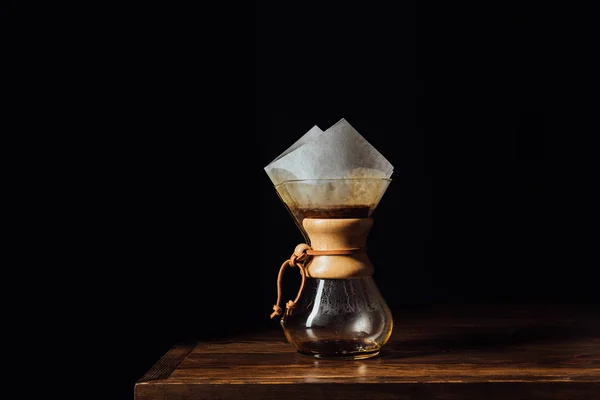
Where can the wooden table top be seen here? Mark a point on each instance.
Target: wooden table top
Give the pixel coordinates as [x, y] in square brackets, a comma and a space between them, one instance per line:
[533, 353]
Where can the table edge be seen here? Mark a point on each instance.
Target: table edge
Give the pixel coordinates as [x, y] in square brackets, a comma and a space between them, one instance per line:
[168, 363]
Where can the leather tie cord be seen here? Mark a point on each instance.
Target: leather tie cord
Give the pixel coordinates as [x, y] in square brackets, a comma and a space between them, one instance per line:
[299, 259]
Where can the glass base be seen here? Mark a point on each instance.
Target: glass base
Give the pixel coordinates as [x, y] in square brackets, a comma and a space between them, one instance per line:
[355, 356]
[339, 349]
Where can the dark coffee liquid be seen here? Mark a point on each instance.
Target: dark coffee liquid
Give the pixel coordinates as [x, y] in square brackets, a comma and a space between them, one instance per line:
[337, 348]
[346, 211]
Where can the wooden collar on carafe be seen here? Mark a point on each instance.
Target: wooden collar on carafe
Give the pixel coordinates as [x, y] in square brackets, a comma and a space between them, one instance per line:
[329, 238]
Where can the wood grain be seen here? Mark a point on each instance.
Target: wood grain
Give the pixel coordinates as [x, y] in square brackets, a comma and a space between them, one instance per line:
[167, 363]
[492, 354]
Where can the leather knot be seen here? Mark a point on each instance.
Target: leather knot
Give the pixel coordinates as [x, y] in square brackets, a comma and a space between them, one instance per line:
[289, 307]
[300, 254]
[276, 312]
[298, 259]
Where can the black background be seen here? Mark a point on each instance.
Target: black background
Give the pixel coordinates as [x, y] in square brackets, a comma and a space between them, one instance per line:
[480, 210]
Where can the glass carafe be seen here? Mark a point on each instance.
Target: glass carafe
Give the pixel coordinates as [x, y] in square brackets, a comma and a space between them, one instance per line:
[339, 311]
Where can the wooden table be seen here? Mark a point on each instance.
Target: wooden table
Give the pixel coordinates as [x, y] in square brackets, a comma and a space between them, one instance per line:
[521, 353]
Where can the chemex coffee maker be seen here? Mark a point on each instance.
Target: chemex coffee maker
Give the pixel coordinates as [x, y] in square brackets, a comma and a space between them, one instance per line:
[338, 311]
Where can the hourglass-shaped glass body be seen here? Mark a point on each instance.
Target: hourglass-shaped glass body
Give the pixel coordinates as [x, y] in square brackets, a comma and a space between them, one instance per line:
[340, 312]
